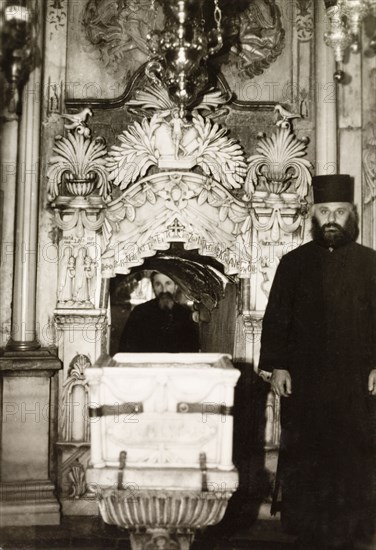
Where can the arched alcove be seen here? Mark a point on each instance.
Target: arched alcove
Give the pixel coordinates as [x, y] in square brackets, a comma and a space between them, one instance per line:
[201, 282]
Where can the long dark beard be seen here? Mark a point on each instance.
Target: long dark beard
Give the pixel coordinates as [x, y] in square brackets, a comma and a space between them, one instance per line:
[340, 236]
[165, 301]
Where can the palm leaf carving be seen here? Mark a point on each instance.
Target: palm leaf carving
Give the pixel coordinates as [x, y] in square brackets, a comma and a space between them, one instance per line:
[279, 160]
[135, 155]
[219, 156]
[152, 97]
[78, 156]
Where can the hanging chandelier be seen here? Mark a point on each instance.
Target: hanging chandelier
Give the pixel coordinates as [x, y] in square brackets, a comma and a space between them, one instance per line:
[179, 52]
[345, 20]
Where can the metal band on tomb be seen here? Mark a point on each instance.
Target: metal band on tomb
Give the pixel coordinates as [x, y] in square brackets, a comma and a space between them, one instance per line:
[119, 408]
[204, 408]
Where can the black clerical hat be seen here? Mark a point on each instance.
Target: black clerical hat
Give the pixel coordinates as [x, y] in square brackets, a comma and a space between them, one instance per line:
[333, 188]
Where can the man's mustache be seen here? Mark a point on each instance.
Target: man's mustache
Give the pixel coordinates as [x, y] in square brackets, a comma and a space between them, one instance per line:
[332, 226]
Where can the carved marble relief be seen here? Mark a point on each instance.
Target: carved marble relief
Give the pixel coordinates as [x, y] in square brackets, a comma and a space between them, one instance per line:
[76, 477]
[77, 276]
[73, 443]
[167, 179]
[278, 163]
[168, 141]
[369, 165]
[78, 166]
[186, 204]
[304, 20]
[118, 32]
[74, 424]
[260, 38]
[369, 185]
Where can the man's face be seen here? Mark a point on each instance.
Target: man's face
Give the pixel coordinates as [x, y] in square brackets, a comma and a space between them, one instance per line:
[162, 284]
[164, 289]
[334, 223]
[331, 214]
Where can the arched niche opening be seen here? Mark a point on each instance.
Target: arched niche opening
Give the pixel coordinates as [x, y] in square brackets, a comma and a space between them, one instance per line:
[203, 287]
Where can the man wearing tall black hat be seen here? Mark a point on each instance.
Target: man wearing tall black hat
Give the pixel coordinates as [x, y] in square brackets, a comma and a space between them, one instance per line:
[319, 342]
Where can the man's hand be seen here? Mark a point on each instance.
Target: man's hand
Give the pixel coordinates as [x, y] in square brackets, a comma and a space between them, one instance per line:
[372, 382]
[281, 382]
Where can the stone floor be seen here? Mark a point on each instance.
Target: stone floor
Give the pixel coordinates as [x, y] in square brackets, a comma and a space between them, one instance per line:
[90, 533]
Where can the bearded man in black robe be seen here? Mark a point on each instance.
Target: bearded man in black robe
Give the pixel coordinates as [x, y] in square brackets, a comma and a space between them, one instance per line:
[319, 342]
[161, 324]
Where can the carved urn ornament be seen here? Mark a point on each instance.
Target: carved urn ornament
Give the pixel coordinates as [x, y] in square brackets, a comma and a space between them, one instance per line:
[78, 167]
[278, 163]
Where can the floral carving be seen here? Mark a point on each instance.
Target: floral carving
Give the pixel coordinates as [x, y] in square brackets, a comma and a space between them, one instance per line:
[168, 141]
[275, 224]
[279, 163]
[136, 153]
[218, 155]
[76, 477]
[78, 166]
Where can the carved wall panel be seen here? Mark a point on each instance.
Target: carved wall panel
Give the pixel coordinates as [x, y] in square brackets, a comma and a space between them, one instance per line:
[73, 433]
[228, 185]
[177, 181]
[113, 46]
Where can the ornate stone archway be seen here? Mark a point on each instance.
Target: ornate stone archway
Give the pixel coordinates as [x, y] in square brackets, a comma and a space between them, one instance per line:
[167, 207]
[169, 181]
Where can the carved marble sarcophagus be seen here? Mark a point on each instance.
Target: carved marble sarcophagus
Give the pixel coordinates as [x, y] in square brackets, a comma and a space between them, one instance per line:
[161, 443]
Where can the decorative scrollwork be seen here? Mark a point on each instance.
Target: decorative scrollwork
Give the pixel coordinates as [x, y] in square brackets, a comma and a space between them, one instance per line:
[276, 223]
[189, 207]
[154, 98]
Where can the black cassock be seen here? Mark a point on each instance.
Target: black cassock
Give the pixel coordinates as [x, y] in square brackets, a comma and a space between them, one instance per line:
[320, 325]
[151, 329]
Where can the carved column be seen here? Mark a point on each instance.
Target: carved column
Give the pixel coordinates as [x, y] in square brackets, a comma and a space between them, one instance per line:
[77, 189]
[23, 330]
[28, 384]
[9, 136]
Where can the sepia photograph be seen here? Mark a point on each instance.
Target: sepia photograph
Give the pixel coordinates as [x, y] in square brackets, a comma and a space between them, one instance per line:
[188, 274]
